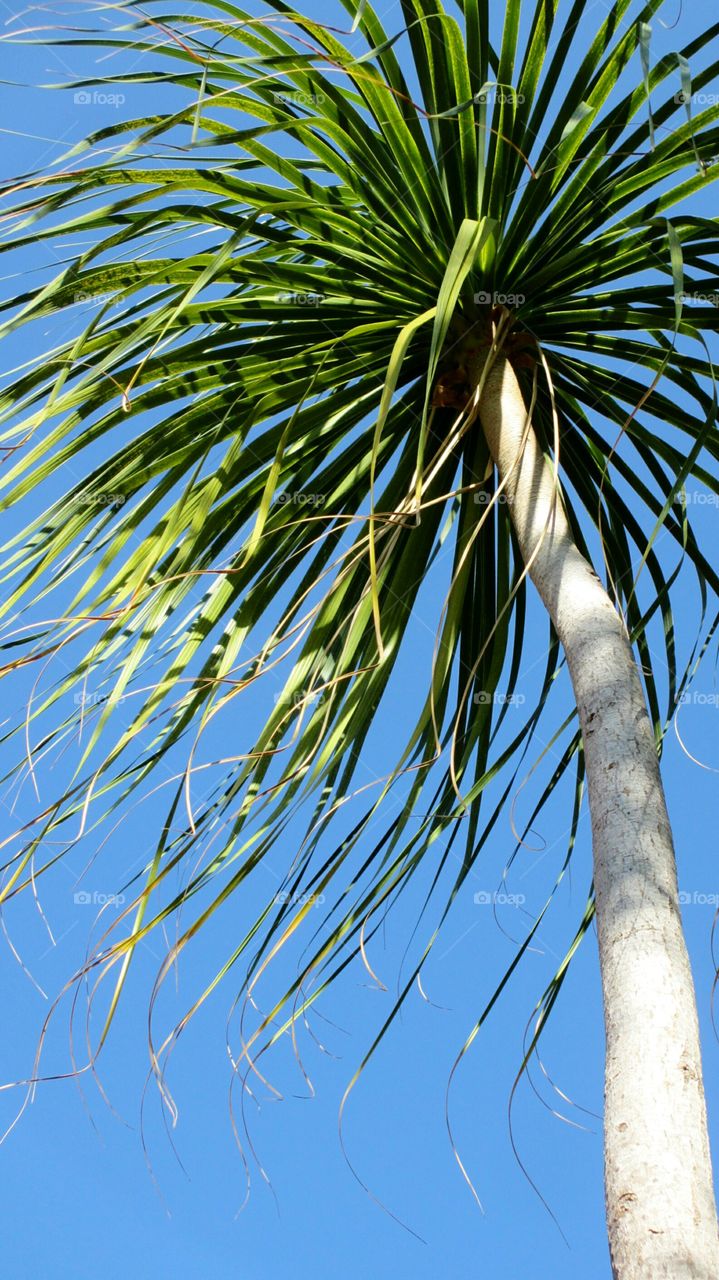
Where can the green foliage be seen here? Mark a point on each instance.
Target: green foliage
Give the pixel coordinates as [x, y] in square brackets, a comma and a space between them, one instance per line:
[288, 268]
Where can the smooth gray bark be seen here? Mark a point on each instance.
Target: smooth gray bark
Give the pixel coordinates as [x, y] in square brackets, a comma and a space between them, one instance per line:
[661, 1213]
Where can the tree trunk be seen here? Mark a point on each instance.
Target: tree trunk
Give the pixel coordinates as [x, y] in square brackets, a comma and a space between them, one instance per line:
[661, 1213]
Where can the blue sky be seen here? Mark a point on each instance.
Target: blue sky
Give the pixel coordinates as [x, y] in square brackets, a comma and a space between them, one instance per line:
[90, 1191]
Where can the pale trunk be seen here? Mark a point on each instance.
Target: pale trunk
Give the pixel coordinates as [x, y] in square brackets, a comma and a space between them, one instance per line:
[661, 1212]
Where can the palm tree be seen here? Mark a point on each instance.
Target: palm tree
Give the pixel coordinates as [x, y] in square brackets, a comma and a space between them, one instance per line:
[364, 298]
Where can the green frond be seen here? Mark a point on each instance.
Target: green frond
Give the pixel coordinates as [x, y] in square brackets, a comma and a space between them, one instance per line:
[266, 403]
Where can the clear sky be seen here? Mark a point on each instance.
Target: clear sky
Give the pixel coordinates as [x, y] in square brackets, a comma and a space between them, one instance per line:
[90, 1191]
